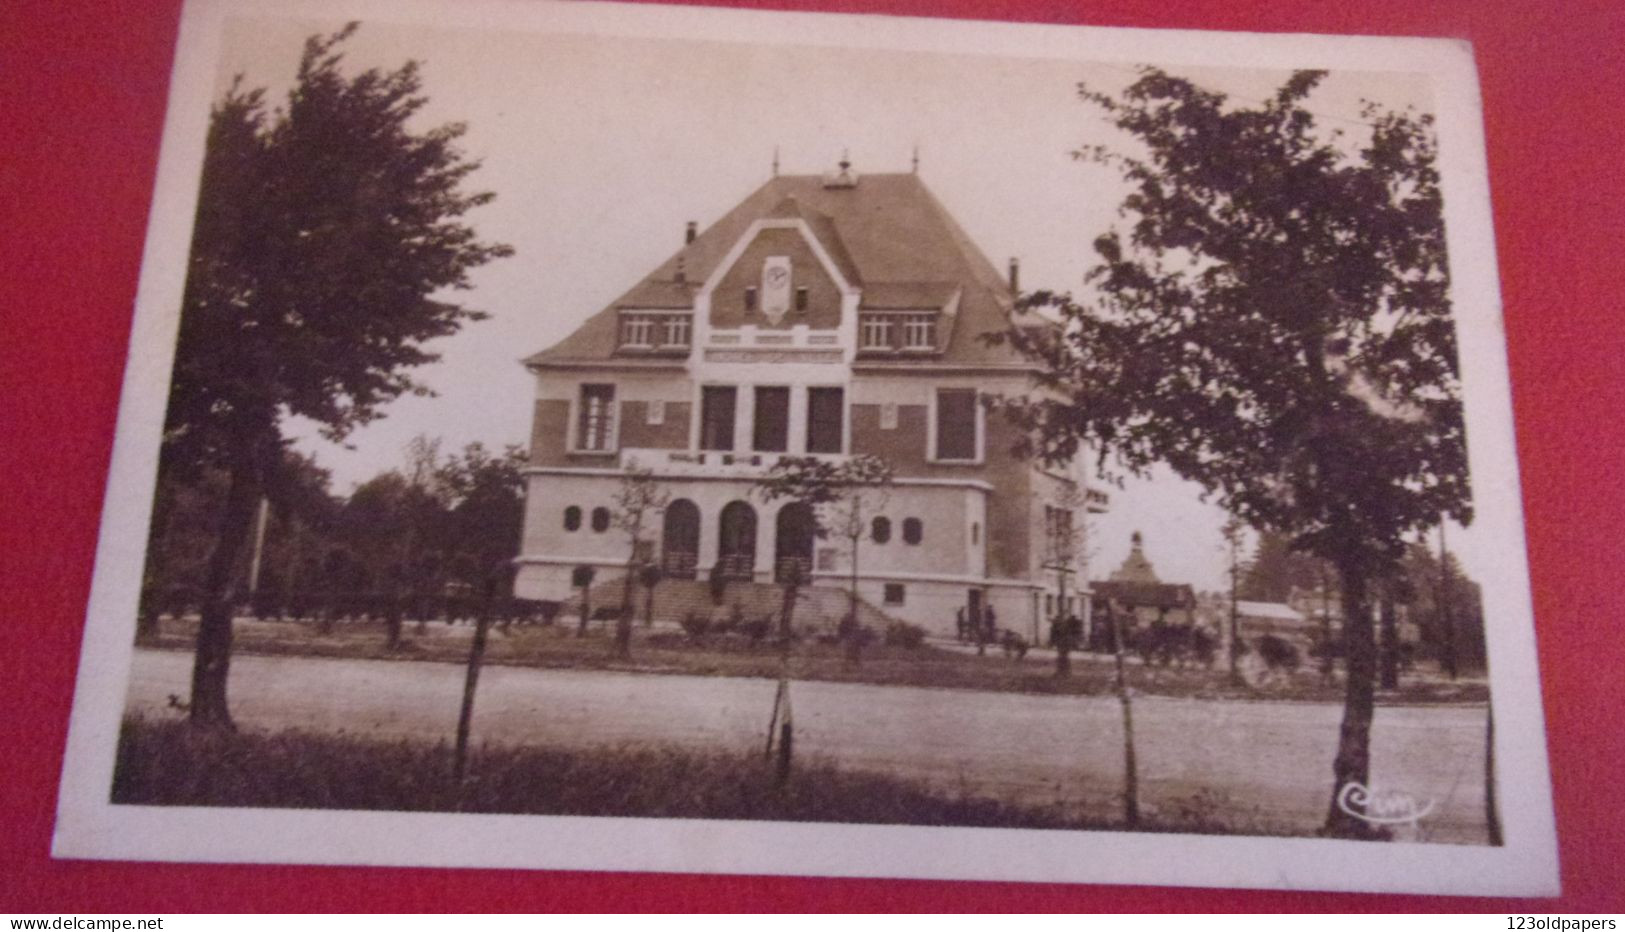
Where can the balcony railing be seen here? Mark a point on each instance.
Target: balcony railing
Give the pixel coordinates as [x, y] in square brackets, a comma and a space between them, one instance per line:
[712, 463]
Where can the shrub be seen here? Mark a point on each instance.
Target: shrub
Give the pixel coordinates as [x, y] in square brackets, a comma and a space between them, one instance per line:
[1016, 646]
[696, 625]
[757, 630]
[1278, 653]
[548, 610]
[903, 634]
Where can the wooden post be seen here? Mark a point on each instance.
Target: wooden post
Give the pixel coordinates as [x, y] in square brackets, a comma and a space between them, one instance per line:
[1131, 777]
[465, 717]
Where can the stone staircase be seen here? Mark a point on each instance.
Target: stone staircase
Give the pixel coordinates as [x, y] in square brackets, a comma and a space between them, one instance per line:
[818, 607]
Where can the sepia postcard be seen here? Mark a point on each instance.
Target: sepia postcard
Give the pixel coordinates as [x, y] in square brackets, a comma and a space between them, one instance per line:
[659, 438]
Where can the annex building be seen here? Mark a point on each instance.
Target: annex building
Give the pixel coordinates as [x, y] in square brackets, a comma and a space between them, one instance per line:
[824, 315]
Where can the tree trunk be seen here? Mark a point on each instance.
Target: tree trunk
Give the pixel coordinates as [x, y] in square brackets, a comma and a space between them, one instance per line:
[854, 634]
[1351, 769]
[471, 680]
[1131, 775]
[623, 621]
[1328, 665]
[1492, 812]
[212, 660]
[1059, 633]
[782, 726]
[146, 623]
[1235, 626]
[1449, 661]
[1390, 642]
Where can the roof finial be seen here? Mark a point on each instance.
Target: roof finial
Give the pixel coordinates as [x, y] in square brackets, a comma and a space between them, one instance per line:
[916, 160]
[775, 161]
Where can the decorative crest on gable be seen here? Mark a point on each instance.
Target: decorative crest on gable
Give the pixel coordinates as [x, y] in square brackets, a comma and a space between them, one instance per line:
[776, 287]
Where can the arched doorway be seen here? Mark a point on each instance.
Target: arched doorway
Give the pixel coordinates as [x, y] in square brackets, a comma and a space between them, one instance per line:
[793, 543]
[680, 539]
[736, 550]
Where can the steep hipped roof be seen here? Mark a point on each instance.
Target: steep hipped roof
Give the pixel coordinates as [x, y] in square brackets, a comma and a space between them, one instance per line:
[887, 234]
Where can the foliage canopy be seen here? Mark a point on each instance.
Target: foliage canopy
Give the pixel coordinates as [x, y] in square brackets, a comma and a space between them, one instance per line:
[1273, 323]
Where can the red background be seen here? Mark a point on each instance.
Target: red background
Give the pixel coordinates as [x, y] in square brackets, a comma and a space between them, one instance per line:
[82, 93]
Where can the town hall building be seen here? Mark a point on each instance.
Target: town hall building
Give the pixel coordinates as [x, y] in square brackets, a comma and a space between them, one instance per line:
[825, 315]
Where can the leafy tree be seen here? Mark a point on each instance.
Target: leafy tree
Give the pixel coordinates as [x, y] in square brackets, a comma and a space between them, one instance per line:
[1068, 546]
[820, 486]
[1273, 324]
[863, 490]
[1276, 569]
[1447, 606]
[638, 498]
[485, 500]
[324, 230]
[1234, 541]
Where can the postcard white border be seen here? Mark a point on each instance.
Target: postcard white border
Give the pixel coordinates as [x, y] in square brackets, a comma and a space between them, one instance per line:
[88, 826]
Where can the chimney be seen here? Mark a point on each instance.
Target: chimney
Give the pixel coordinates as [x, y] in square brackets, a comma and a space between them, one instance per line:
[692, 231]
[1015, 274]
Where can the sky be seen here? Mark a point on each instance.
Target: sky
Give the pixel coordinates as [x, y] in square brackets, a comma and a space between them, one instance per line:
[600, 148]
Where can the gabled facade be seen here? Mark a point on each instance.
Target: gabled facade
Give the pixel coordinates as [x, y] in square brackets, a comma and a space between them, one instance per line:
[830, 316]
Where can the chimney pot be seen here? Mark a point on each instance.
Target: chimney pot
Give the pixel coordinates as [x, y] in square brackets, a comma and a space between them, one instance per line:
[1015, 274]
[690, 232]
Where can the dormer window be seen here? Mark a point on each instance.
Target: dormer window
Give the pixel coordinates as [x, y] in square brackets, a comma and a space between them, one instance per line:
[651, 330]
[920, 332]
[876, 332]
[637, 330]
[675, 330]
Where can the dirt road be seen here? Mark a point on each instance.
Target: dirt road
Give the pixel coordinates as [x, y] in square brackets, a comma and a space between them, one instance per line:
[1266, 764]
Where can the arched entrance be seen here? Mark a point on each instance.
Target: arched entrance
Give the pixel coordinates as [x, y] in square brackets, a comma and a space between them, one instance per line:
[736, 549]
[793, 543]
[680, 539]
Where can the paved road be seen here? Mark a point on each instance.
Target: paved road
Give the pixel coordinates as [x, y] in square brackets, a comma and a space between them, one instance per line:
[1269, 762]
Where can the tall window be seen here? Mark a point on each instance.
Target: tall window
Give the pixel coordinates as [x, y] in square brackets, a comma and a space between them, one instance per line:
[717, 417]
[956, 424]
[675, 330]
[1058, 533]
[596, 418]
[920, 331]
[771, 431]
[825, 417]
[637, 330]
[875, 332]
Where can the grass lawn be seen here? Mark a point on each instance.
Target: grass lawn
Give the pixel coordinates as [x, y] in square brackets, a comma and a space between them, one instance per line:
[664, 650]
[171, 763]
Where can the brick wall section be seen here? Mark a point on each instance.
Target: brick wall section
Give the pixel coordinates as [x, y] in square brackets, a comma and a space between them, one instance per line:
[1009, 511]
[903, 447]
[1010, 506]
[671, 434]
[549, 433]
[823, 299]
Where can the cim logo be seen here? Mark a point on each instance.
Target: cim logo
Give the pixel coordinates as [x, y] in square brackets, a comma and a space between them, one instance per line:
[1381, 806]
